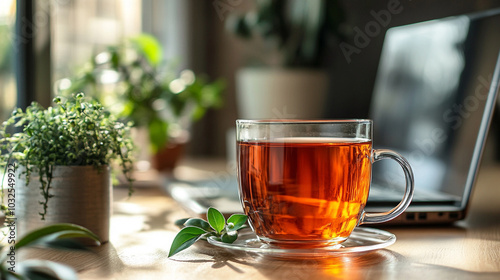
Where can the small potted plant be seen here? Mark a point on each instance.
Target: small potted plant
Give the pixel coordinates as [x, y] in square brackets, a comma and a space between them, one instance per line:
[133, 80]
[62, 159]
[289, 43]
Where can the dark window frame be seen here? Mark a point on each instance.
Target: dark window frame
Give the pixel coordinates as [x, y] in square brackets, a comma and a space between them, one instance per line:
[32, 53]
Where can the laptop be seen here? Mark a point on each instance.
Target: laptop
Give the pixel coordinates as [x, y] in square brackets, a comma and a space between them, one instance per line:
[433, 102]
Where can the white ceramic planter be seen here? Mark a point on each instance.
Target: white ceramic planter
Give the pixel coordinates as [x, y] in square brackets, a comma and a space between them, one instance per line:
[281, 93]
[81, 195]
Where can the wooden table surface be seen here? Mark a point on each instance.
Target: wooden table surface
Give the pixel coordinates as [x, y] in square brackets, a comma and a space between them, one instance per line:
[142, 230]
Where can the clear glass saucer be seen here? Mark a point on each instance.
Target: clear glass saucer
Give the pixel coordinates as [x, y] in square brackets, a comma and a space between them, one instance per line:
[361, 240]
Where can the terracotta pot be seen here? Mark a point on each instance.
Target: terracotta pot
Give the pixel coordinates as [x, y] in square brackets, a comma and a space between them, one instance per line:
[81, 195]
[166, 159]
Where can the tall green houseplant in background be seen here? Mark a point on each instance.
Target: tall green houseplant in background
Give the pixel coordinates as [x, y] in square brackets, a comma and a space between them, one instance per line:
[134, 81]
[290, 42]
[301, 32]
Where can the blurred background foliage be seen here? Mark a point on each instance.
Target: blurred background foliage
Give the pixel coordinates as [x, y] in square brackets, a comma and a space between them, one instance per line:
[301, 31]
[134, 81]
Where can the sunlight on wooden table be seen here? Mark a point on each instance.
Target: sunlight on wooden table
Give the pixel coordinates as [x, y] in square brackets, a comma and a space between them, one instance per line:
[142, 230]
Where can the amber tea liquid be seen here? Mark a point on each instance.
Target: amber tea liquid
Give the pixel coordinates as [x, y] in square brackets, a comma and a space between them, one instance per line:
[304, 189]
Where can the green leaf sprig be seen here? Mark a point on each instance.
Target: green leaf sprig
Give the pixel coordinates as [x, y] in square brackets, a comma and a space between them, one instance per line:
[217, 226]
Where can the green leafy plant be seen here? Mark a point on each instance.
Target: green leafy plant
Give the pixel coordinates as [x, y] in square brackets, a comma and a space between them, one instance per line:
[133, 80]
[58, 236]
[301, 31]
[217, 226]
[73, 132]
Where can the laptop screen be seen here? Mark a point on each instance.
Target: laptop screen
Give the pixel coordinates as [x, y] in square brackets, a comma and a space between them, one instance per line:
[433, 100]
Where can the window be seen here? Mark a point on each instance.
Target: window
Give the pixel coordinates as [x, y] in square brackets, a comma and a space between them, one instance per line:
[82, 28]
[7, 75]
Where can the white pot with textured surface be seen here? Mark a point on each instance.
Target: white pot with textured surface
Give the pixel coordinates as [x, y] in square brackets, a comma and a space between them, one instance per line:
[281, 93]
[81, 195]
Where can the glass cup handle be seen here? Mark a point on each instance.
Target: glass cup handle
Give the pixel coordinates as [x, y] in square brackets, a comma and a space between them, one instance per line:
[373, 218]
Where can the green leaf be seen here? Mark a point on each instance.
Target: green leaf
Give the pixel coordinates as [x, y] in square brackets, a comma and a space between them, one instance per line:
[60, 231]
[198, 113]
[149, 47]
[239, 26]
[64, 244]
[198, 223]
[216, 219]
[229, 237]
[115, 58]
[9, 275]
[41, 269]
[180, 222]
[237, 220]
[158, 134]
[184, 239]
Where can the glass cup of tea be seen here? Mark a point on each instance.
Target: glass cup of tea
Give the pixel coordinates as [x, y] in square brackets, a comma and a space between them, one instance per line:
[306, 182]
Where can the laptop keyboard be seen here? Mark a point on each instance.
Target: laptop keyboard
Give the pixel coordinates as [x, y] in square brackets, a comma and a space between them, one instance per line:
[381, 194]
